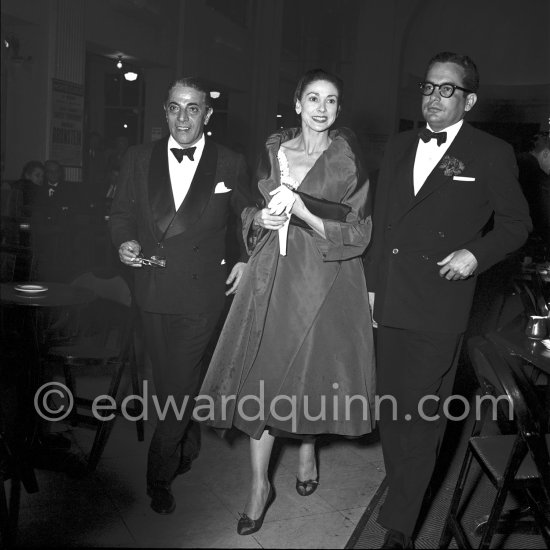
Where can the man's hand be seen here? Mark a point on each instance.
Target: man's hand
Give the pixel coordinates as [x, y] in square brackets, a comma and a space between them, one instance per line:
[128, 252]
[458, 265]
[235, 277]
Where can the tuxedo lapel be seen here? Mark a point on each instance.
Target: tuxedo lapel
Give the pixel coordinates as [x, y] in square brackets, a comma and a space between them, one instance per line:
[437, 178]
[160, 190]
[199, 193]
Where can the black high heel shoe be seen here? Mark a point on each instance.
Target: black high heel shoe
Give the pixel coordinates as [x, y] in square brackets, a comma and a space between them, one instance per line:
[247, 526]
[306, 488]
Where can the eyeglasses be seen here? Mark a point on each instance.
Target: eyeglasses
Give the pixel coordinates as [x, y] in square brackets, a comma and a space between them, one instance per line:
[445, 90]
[157, 261]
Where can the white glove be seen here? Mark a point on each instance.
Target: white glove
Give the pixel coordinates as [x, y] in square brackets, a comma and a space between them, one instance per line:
[282, 201]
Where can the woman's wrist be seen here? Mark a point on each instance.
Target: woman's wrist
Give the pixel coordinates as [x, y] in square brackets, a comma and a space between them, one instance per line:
[255, 222]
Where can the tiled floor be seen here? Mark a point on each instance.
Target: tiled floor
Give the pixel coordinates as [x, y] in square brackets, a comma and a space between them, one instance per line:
[110, 507]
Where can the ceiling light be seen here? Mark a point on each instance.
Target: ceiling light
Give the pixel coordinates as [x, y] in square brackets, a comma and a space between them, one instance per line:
[130, 76]
[119, 62]
[214, 94]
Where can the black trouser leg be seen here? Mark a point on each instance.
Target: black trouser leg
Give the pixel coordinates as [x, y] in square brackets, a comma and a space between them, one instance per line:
[412, 366]
[176, 345]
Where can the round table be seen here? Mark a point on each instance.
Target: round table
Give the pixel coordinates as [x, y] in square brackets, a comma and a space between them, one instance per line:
[57, 295]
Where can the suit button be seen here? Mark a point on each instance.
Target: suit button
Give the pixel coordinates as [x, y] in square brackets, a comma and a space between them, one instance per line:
[441, 234]
[195, 249]
[395, 251]
[194, 276]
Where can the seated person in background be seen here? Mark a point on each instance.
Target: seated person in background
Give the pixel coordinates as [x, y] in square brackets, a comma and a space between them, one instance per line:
[26, 190]
[51, 237]
[56, 188]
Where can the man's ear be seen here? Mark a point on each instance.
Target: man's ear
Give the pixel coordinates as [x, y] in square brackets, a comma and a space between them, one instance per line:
[471, 100]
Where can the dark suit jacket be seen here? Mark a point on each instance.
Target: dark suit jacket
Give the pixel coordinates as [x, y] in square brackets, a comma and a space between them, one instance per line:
[412, 233]
[194, 242]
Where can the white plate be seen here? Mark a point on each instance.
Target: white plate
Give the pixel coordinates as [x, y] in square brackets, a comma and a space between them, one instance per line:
[31, 289]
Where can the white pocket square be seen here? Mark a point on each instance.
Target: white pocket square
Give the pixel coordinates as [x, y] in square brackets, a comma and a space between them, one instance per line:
[221, 188]
[463, 178]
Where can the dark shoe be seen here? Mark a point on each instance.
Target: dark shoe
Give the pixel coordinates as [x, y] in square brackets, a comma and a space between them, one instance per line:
[396, 539]
[56, 441]
[190, 447]
[247, 526]
[162, 500]
[306, 488]
[185, 463]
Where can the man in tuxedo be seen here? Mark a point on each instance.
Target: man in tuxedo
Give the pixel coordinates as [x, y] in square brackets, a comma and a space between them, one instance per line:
[173, 202]
[448, 206]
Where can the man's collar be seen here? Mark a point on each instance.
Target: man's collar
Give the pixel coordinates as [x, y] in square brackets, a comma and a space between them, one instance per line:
[452, 130]
[199, 144]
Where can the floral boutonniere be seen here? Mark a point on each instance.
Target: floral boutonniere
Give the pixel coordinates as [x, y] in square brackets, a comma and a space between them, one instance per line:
[451, 166]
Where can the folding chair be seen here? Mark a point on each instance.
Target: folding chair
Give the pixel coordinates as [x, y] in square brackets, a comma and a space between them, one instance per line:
[540, 294]
[523, 290]
[517, 462]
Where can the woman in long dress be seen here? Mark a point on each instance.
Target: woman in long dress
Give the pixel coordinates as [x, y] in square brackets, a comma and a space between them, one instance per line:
[295, 356]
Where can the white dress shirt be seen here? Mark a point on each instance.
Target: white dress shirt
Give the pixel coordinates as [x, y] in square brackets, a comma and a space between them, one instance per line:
[429, 154]
[182, 173]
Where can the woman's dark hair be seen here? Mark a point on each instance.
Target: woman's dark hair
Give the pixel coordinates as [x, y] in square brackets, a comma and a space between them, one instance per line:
[471, 74]
[191, 82]
[313, 76]
[30, 166]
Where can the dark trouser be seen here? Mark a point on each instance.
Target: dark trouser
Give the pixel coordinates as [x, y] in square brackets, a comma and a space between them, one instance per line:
[412, 365]
[176, 345]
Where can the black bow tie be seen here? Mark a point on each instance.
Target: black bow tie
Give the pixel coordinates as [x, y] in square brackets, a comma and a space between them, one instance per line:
[180, 153]
[425, 135]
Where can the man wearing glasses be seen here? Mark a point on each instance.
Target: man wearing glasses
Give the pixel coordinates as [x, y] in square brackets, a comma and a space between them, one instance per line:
[438, 191]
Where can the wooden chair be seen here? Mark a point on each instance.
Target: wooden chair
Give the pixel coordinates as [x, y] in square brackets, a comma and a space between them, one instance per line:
[540, 294]
[523, 289]
[15, 470]
[101, 335]
[517, 462]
